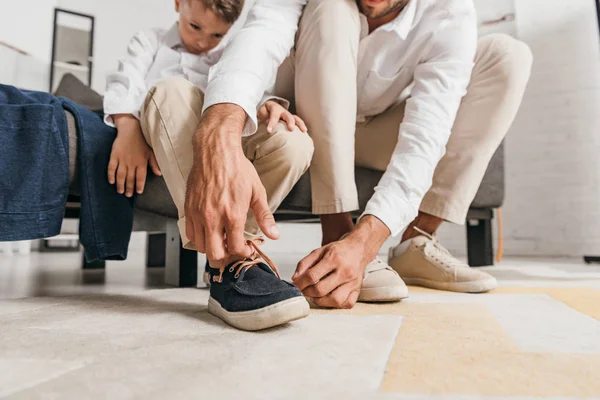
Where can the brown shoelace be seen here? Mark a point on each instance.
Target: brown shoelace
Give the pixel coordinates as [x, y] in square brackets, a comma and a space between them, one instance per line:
[255, 258]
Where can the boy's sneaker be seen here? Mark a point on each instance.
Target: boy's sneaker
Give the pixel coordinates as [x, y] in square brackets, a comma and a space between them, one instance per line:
[250, 295]
[425, 262]
[381, 284]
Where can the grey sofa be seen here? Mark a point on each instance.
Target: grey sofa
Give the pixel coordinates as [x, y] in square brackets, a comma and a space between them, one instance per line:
[157, 215]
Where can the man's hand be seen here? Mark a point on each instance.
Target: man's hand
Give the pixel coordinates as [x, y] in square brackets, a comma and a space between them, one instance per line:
[130, 157]
[272, 112]
[332, 275]
[222, 186]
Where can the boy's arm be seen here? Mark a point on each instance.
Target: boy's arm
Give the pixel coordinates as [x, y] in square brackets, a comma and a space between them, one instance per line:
[126, 88]
[250, 61]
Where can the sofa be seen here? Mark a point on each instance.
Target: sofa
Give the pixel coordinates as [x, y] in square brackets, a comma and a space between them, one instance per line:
[156, 213]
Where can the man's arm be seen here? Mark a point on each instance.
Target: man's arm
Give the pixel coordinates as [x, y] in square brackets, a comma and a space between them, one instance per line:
[250, 61]
[439, 85]
[440, 82]
[222, 185]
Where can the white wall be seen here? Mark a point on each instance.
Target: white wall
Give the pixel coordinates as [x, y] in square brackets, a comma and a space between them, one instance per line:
[27, 24]
[553, 149]
[116, 22]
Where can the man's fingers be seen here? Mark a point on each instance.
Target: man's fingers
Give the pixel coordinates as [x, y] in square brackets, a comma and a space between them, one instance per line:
[300, 124]
[339, 298]
[352, 299]
[130, 185]
[198, 236]
[263, 215]
[325, 286]
[315, 274]
[121, 177]
[112, 170]
[140, 179]
[308, 262]
[215, 243]
[236, 245]
[154, 165]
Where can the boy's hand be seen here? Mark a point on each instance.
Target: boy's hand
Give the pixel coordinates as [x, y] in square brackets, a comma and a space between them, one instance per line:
[272, 112]
[130, 156]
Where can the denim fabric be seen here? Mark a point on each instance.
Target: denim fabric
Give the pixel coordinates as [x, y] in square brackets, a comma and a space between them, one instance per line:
[255, 288]
[34, 174]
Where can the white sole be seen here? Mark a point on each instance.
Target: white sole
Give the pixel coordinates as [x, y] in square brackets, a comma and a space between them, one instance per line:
[267, 317]
[461, 287]
[383, 294]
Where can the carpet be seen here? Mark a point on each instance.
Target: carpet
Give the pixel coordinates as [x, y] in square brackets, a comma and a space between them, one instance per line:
[538, 336]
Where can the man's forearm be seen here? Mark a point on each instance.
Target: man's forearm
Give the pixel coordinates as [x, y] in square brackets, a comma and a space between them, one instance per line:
[222, 123]
[370, 233]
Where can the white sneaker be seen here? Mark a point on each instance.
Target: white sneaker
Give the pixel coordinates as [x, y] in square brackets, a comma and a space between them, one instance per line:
[381, 284]
[427, 263]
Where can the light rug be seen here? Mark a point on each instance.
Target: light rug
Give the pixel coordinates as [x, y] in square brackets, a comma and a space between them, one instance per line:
[163, 344]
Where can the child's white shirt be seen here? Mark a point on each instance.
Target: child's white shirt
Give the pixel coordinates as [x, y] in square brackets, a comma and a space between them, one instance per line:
[152, 56]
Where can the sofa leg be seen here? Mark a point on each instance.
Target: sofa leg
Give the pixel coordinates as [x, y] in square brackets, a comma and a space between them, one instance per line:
[181, 264]
[479, 242]
[156, 250]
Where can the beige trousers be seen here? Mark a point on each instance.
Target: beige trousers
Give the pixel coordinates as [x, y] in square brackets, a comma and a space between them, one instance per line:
[323, 69]
[170, 118]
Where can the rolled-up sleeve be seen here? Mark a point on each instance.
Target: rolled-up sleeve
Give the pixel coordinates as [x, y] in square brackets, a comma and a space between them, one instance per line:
[126, 88]
[440, 82]
[250, 61]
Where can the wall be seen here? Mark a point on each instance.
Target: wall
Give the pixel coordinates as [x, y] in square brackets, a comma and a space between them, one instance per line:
[552, 150]
[116, 22]
[28, 25]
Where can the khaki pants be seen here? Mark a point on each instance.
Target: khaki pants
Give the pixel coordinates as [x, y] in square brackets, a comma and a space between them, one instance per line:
[323, 69]
[170, 118]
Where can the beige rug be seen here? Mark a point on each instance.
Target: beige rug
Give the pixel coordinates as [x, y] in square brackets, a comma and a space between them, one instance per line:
[536, 337]
[164, 344]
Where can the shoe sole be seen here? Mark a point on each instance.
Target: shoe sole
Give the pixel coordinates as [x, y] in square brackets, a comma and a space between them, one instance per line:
[383, 294]
[461, 287]
[267, 317]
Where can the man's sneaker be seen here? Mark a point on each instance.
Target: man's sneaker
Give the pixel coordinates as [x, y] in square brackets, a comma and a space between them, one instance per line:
[381, 284]
[250, 295]
[427, 263]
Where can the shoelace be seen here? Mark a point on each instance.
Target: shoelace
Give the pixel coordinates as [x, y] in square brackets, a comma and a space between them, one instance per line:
[256, 258]
[444, 255]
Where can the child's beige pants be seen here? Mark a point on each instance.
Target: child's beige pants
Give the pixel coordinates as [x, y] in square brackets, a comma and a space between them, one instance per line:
[170, 118]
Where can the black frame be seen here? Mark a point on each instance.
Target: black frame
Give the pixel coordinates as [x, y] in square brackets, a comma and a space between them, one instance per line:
[91, 50]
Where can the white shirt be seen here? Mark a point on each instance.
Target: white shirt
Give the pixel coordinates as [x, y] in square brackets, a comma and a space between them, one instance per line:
[152, 56]
[425, 56]
[240, 70]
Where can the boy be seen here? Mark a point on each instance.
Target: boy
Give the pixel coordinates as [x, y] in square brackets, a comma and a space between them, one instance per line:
[173, 66]
[188, 49]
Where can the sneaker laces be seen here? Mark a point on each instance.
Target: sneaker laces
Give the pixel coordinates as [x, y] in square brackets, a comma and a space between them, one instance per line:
[255, 258]
[443, 255]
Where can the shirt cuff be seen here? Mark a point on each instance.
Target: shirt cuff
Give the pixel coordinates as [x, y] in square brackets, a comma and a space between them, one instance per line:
[393, 210]
[108, 120]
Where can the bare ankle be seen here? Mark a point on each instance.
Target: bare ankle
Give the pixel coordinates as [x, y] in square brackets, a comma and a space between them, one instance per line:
[425, 222]
[334, 226]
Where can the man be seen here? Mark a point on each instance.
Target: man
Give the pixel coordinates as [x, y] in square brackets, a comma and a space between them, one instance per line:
[380, 83]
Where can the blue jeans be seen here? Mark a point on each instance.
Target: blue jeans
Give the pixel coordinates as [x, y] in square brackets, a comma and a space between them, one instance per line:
[34, 174]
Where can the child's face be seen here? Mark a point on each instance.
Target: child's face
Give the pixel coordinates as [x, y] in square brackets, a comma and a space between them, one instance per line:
[200, 29]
